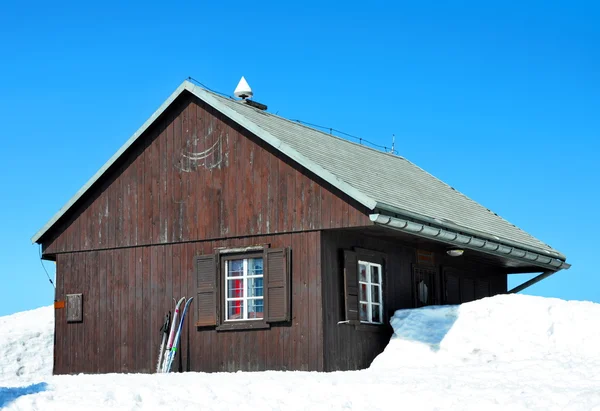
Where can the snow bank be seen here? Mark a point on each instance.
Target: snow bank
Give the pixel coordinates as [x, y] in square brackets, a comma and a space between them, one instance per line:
[500, 353]
[26, 346]
[502, 328]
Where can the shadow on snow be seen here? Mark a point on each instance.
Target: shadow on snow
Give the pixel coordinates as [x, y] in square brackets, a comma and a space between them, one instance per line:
[428, 325]
[10, 394]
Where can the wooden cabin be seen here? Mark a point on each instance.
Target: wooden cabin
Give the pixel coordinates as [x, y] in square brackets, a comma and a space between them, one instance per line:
[297, 246]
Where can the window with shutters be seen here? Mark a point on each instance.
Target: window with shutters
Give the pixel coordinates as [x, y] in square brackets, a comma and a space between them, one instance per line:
[364, 272]
[243, 290]
[370, 292]
[244, 299]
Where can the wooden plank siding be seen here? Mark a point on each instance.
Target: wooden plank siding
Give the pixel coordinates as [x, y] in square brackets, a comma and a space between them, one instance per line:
[196, 175]
[120, 329]
[347, 347]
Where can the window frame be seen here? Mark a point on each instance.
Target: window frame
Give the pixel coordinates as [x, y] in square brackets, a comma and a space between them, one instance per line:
[224, 260]
[369, 298]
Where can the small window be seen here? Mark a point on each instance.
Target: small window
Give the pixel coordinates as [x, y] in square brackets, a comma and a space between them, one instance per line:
[370, 292]
[244, 296]
[239, 290]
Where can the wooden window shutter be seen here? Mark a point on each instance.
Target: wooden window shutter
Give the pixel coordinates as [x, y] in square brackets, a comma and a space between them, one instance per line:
[351, 285]
[277, 273]
[206, 280]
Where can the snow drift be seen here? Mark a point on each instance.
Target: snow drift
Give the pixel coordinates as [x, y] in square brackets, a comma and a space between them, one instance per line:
[26, 346]
[503, 328]
[505, 352]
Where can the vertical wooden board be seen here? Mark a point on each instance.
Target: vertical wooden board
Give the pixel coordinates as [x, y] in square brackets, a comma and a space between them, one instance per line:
[163, 224]
[184, 256]
[145, 346]
[118, 193]
[316, 219]
[258, 188]
[139, 308]
[92, 224]
[196, 173]
[239, 162]
[189, 325]
[168, 270]
[96, 223]
[186, 144]
[337, 212]
[102, 312]
[117, 291]
[154, 301]
[216, 221]
[130, 310]
[273, 189]
[284, 191]
[179, 194]
[129, 200]
[93, 307]
[301, 199]
[124, 214]
[140, 221]
[76, 234]
[69, 339]
[133, 195]
[202, 174]
[82, 232]
[147, 217]
[317, 305]
[161, 302]
[330, 303]
[124, 313]
[63, 274]
[168, 172]
[304, 297]
[230, 189]
[155, 177]
[80, 348]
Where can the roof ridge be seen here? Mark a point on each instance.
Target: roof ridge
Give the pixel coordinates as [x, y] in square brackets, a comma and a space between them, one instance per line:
[299, 123]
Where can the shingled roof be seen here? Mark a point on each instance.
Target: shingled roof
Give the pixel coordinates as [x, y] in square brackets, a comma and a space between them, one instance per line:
[378, 180]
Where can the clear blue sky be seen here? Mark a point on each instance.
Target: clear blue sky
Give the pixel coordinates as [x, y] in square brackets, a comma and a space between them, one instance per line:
[502, 101]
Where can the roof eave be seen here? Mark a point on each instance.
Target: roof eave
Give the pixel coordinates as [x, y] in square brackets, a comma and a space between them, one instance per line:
[470, 242]
[452, 226]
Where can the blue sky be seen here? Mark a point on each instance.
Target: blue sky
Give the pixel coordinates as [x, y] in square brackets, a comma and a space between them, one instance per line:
[499, 100]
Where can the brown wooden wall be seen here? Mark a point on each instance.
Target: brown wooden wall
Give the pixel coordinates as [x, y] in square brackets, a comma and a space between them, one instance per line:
[127, 292]
[193, 176]
[347, 347]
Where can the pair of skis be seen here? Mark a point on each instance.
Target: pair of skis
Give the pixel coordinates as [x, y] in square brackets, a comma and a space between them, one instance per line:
[166, 357]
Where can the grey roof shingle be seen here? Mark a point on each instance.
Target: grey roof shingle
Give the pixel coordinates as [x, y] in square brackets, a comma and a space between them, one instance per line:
[374, 178]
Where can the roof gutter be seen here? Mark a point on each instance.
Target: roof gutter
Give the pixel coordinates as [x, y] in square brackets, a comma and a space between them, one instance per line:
[455, 227]
[470, 242]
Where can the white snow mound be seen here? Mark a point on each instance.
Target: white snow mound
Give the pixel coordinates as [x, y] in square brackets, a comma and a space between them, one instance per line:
[501, 328]
[26, 346]
[500, 353]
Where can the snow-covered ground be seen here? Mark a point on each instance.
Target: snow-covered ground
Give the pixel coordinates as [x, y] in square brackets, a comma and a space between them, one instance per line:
[501, 353]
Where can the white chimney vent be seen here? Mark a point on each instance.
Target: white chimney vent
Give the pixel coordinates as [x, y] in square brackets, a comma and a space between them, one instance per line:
[243, 89]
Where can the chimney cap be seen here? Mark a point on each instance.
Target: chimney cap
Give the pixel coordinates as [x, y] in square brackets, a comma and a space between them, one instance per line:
[243, 89]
